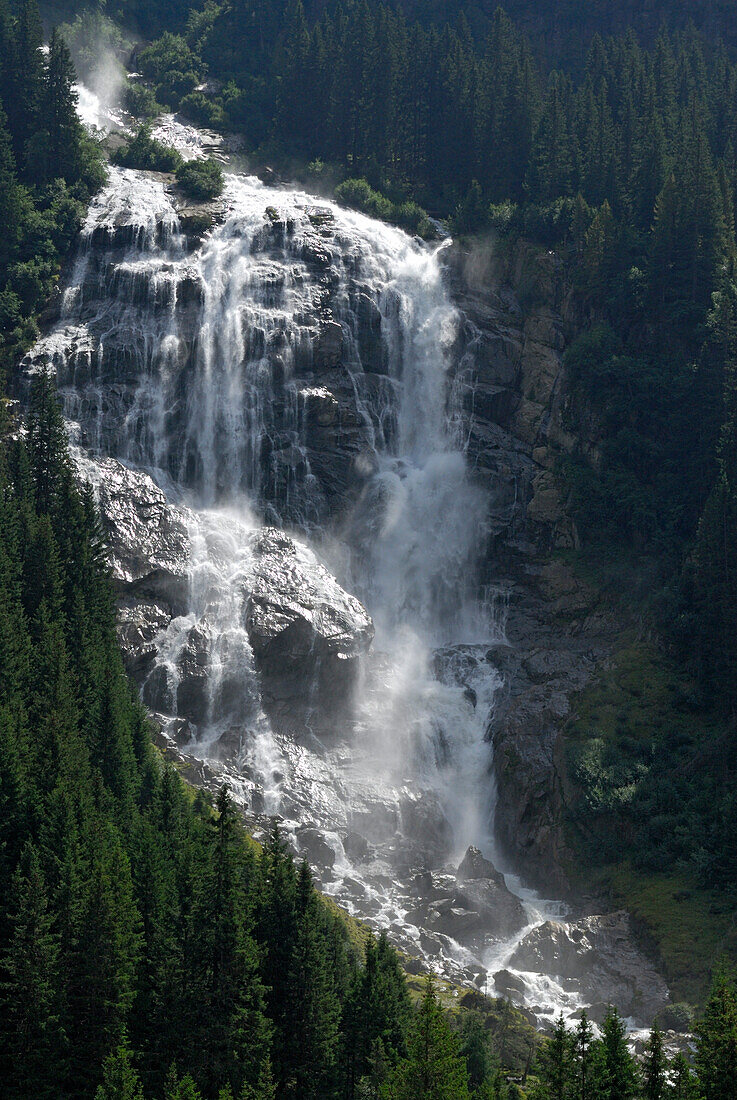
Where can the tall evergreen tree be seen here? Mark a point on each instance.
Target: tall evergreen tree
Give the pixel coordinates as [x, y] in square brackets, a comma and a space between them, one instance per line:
[716, 1041]
[119, 1079]
[556, 1063]
[60, 119]
[30, 987]
[655, 1083]
[435, 1068]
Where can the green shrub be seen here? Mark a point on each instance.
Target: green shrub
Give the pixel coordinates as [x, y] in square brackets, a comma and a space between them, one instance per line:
[677, 1017]
[175, 87]
[203, 110]
[90, 171]
[31, 281]
[359, 194]
[168, 54]
[141, 101]
[144, 152]
[412, 217]
[202, 179]
[504, 217]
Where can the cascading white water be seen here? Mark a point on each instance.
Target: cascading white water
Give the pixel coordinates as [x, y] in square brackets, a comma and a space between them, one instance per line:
[296, 367]
[189, 365]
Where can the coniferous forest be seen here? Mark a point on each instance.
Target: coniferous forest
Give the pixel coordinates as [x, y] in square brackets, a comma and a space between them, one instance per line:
[621, 158]
[148, 947]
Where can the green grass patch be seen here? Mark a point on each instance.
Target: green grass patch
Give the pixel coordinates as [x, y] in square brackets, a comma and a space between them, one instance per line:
[646, 775]
[358, 932]
[688, 928]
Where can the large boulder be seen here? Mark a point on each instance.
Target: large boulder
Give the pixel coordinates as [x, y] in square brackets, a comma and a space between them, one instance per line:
[147, 538]
[473, 906]
[484, 888]
[193, 674]
[306, 632]
[475, 865]
[139, 626]
[599, 956]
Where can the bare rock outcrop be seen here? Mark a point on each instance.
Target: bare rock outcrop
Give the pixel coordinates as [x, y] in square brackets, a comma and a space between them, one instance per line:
[598, 956]
[306, 632]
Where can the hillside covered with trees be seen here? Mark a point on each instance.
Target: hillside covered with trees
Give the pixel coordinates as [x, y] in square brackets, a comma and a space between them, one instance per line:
[49, 167]
[148, 948]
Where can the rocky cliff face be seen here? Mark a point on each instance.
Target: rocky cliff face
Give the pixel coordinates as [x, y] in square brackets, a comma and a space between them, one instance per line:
[305, 446]
[520, 315]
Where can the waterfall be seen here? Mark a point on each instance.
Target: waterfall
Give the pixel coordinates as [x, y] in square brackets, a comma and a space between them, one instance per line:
[270, 405]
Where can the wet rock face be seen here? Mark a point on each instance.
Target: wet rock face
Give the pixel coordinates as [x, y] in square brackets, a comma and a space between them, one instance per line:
[147, 538]
[193, 679]
[514, 385]
[328, 348]
[598, 956]
[306, 632]
[138, 378]
[139, 625]
[303, 627]
[314, 848]
[198, 218]
[486, 889]
[473, 907]
[521, 419]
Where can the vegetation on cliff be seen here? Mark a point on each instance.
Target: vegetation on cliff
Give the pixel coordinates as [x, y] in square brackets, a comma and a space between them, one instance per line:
[49, 167]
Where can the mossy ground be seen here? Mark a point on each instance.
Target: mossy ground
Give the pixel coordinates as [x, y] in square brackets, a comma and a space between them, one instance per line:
[637, 726]
[691, 927]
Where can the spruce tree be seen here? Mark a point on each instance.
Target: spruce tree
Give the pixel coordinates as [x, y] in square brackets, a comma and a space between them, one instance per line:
[655, 1075]
[60, 119]
[716, 1041]
[615, 1068]
[556, 1063]
[684, 1084]
[29, 977]
[119, 1078]
[582, 1068]
[434, 1069]
[312, 1008]
[25, 75]
[47, 442]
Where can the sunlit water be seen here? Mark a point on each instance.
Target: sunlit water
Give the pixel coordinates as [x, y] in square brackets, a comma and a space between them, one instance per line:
[195, 407]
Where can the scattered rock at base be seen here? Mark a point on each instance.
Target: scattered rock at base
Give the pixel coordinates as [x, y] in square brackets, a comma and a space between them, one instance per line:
[599, 955]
